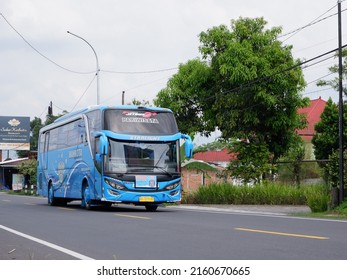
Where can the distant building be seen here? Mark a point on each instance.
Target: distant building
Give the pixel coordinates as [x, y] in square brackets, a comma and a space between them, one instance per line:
[10, 179]
[313, 113]
[220, 158]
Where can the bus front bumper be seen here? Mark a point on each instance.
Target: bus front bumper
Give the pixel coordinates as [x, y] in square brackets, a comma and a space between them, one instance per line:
[138, 197]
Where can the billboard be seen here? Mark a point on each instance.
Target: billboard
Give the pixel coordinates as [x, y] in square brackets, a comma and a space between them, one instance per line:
[14, 133]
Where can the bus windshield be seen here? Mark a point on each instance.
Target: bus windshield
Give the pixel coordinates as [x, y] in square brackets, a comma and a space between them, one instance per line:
[142, 157]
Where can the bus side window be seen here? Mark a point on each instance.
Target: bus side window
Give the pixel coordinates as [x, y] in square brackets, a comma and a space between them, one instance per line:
[82, 131]
[97, 156]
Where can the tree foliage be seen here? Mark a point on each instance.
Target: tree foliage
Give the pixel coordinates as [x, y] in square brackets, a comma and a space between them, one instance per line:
[187, 94]
[29, 168]
[213, 146]
[259, 96]
[252, 161]
[137, 102]
[294, 158]
[334, 83]
[326, 139]
[246, 85]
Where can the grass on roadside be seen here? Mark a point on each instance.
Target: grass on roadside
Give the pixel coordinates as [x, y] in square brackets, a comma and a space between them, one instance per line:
[317, 197]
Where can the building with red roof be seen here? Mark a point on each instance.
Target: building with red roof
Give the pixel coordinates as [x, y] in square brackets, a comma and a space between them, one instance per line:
[313, 113]
[220, 158]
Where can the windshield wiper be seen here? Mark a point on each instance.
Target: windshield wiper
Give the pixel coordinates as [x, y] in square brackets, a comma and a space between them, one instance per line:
[147, 167]
[165, 171]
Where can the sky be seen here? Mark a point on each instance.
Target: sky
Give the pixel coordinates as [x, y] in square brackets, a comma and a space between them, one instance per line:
[139, 45]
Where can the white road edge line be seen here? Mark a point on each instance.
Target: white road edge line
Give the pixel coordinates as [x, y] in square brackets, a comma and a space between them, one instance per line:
[48, 244]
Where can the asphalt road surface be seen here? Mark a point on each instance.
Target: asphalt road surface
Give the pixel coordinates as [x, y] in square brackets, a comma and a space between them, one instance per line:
[32, 230]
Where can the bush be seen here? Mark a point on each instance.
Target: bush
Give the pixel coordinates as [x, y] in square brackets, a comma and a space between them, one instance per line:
[318, 198]
[341, 209]
[315, 196]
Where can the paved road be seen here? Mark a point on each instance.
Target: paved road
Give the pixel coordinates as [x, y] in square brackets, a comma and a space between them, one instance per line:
[30, 229]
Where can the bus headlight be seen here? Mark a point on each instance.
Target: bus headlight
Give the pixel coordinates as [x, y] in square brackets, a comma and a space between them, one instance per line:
[172, 186]
[115, 185]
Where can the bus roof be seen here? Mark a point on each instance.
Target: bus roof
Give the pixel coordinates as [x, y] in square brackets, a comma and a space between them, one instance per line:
[104, 107]
[78, 114]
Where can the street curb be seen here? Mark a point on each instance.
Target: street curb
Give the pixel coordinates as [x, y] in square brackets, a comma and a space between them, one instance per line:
[265, 209]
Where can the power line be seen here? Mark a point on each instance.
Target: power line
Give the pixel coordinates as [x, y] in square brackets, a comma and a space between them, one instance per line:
[317, 62]
[252, 82]
[79, 99]
[140, 72]
[37, 51]
[294, 32]
[138, 86]
[320, 78]
[80, 72]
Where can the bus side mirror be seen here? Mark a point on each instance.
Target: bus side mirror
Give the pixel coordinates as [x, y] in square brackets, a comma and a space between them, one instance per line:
[103, 145]
[188, 146]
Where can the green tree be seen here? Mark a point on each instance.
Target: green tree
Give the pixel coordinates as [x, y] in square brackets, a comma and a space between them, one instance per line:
[246, 84]
[326, 139]
[294, 157]
[334, 83]
[252, 161]
[29, 168]
[188, 95]
[259, 96]
[139, 103]
[213, 146]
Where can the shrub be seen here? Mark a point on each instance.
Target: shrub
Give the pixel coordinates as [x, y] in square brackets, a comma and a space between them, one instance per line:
[315, 196]
[318, 198]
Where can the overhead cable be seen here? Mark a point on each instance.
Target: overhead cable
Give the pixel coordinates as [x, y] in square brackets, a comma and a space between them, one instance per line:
[294, 32]
[40, 53]
[252, 82]
[140, 72]
[79, 99]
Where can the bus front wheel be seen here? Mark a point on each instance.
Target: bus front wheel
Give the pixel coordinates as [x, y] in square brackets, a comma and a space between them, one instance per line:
[51, 199]
[85, 203]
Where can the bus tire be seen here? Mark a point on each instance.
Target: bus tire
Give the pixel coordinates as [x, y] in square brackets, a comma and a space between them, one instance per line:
[151, 207]
[51, 199]
[85, 203]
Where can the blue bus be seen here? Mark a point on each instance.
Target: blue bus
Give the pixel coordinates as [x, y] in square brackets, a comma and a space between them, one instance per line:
[103, 155]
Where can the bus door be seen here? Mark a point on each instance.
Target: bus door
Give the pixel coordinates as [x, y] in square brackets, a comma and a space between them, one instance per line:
[98, 161]
[43, 163]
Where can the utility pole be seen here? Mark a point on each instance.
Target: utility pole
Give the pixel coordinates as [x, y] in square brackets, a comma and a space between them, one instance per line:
[50, 109]
[341, 142]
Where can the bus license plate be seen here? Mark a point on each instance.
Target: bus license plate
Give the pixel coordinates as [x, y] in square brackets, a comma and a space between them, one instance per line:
[146, 199]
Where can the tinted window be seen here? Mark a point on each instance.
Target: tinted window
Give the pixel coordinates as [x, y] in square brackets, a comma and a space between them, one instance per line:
[140, 122]
[67, 135]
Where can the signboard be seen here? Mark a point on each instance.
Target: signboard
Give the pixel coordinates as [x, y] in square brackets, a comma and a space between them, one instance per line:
[14, 133]
[146, 181]
[17, 182]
